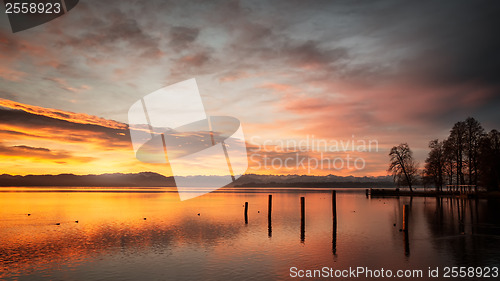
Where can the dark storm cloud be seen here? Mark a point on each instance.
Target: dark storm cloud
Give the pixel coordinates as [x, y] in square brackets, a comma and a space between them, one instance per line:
[30, 125]
[446, 42]
[452, 45]
[455, 41]
[182, 36]
[116, 33]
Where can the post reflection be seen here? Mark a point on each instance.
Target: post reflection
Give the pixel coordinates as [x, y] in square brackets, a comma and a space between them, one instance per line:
[407, 243]
[334, 240]
[334, 222]
[302, 219]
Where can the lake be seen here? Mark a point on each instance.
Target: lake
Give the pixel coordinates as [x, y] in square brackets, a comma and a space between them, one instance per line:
[148, 234]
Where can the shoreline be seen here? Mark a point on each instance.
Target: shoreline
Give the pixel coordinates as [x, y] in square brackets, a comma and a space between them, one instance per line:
[433, 193]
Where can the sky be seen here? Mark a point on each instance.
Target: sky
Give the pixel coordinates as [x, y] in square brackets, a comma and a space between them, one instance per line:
[334, 71]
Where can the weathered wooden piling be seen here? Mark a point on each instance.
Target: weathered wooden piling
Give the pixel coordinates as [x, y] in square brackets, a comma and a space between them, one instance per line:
[302, 219]
[302, 208]
[269, 211]
[246, 212]
[269, 206]
[406, 210]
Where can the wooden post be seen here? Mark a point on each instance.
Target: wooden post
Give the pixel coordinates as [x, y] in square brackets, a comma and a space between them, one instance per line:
[269, 211]
[270, 206]
[406, 210]
[302, 208]
[334, 209]
[302, 218]
[366, 192]
[246, 212]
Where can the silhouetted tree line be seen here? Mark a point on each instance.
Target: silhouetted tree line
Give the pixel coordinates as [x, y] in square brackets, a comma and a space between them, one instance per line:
[469, 156]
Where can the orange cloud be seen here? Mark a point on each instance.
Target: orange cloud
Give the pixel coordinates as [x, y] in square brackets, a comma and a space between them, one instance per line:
[80, 118]
[28, 152]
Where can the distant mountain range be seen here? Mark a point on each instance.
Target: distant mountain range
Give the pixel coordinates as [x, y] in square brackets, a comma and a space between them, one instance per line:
[149, 179]
[252, 180]
[146, 179]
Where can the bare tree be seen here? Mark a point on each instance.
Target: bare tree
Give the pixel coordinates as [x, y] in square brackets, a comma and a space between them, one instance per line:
[435, 164]
[474, 134]
[455, 148]
[489, 163]
[402, 166]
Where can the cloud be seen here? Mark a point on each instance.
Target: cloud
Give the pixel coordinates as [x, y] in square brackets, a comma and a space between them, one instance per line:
[28, 152]
[10, 74]
[80, 118]
[63, 84]
[111, 31]
[11, 50]
[181, 37]
[195, 60]
[38, 140]
[463, 49]
[309, 55]
[22, 125]
[316, 156]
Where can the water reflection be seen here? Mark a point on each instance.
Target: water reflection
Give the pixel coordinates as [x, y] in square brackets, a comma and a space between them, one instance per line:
[465, 228]
[302, 219]
[407, 243]
[334, 222]
[205, 237]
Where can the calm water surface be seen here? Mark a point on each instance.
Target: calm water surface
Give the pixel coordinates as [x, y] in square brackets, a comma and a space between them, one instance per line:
[150, 235]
